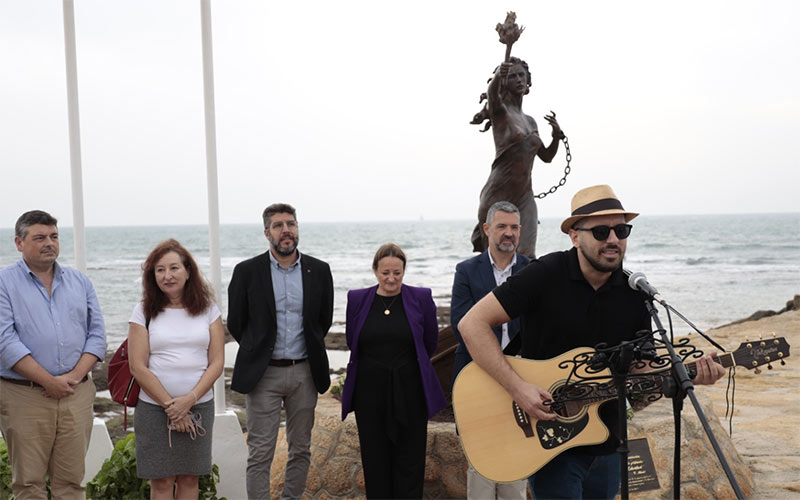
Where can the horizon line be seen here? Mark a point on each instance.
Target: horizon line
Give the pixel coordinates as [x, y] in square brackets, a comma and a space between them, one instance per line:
[421, 219]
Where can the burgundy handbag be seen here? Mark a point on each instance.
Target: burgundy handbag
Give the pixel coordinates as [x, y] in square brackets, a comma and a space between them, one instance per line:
[121, 384]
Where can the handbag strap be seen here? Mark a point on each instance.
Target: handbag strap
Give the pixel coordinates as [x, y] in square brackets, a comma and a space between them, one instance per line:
[133, 381]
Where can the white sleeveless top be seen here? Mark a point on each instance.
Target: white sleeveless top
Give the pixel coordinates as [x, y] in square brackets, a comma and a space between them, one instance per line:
[178, 348]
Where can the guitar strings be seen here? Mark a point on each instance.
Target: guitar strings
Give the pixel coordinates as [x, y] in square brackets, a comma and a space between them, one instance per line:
[730, 390]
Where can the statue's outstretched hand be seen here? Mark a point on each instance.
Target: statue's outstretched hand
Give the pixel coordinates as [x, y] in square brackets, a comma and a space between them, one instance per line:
[551, 119]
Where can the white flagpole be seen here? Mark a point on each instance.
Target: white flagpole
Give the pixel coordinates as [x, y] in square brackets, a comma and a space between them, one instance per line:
[74, 136]
[100, 446]
[211, 173]
[230, 450]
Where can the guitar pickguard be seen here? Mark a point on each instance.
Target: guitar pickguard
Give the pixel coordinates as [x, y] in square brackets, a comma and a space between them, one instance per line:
[554, 433]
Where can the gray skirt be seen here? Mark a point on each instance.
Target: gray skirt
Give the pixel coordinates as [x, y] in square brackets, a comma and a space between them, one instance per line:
[155, 459]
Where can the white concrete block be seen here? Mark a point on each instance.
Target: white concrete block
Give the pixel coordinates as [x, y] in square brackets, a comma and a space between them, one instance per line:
[229, 452]
[100, 449]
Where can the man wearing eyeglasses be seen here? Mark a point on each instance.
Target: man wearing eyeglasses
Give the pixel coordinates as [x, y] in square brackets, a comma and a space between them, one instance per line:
[570, 299]
[280, 307]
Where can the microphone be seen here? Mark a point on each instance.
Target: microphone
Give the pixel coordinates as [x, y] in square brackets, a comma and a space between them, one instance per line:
[638, 281]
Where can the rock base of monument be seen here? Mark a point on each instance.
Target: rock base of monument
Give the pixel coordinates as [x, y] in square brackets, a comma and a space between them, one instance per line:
[702, 476]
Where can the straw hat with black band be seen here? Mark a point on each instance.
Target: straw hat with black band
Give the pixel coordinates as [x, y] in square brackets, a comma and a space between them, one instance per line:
[595, 200]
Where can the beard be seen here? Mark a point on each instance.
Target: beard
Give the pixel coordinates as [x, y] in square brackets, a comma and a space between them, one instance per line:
[506, 246]
[285, 251]
[599, 263]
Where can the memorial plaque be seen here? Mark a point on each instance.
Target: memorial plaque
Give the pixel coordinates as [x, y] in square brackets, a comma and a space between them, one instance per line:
[641, 469]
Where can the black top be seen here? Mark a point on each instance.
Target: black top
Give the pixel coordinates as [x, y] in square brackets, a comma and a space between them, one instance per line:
[561, 311]
[385, 338]
[388, 384]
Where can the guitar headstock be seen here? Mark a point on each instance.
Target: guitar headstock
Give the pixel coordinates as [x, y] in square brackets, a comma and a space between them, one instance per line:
[754, 353]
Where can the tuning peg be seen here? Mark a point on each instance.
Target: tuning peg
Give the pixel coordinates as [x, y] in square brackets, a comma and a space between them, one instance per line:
[769, 366]
[757, 371]
[783, 363]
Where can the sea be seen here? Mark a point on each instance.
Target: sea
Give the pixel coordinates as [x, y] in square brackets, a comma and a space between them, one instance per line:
[714, 269]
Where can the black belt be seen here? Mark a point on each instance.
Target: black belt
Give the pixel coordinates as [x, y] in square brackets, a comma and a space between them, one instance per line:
[31, 383]
[286, 362]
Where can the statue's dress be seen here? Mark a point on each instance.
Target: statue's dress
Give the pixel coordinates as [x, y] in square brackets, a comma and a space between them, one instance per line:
[510, 180]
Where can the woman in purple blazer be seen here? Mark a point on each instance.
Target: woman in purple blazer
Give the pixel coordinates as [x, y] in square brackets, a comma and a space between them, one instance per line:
[392, 332]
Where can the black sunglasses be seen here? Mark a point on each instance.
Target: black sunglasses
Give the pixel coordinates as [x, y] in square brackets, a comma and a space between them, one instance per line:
[601, 233]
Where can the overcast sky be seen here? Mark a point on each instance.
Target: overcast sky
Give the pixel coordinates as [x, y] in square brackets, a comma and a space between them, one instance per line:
[361, 110]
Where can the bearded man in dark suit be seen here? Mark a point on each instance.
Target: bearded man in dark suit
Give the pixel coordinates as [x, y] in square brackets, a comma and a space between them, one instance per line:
[475, 278]
[280, 307]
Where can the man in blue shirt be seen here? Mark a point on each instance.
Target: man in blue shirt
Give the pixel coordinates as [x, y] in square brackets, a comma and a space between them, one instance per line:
[51, 335]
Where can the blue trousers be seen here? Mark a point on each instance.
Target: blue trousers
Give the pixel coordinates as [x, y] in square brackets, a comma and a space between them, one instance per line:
[577, 475]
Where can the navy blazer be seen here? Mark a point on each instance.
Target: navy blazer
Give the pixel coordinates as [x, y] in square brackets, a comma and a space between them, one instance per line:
[473, 280]
[421, 313]
[252, 319]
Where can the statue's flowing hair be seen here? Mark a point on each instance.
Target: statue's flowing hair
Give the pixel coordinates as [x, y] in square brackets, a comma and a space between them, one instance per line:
[483, 115]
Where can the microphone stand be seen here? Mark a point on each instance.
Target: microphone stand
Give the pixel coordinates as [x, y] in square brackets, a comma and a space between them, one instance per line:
[620, 375]
[686, 387]
[620, 359]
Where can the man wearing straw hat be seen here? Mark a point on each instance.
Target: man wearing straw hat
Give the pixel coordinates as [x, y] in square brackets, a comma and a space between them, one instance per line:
[570, 299]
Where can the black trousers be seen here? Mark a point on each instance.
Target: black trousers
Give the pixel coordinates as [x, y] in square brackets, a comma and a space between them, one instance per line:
[392, 421]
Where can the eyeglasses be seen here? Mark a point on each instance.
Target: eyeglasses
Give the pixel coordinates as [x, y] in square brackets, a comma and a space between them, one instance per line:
[601, 233]
[290, 225]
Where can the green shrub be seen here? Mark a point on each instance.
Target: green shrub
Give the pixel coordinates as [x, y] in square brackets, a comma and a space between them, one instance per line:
[117, 478]
[338, 387]
[5, 473]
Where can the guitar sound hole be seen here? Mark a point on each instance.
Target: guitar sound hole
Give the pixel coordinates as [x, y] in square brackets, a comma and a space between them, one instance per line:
[567, 402]
[567, 409]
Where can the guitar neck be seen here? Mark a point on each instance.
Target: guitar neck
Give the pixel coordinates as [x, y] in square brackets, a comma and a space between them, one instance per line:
[749, 354]
[726, 360]
[595, 396]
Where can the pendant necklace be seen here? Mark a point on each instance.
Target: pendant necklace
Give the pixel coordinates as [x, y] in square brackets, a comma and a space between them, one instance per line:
[386, 308]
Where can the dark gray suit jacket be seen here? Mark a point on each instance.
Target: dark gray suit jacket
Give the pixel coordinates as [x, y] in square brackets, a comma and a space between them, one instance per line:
[252, 320]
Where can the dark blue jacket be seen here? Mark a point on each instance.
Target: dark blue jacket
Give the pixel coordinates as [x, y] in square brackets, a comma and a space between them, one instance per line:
[473, 280]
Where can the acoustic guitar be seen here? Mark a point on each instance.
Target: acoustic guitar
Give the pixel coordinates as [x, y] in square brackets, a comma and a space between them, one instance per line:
[503, 444]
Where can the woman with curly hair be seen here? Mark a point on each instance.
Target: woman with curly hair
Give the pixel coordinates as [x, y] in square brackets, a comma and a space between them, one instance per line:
[517, 143]
[176, 343]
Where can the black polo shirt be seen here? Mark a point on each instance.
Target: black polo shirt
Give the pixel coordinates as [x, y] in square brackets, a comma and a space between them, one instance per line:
[560, 311]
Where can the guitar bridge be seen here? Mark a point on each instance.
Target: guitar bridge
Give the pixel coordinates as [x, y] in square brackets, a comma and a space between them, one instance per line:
[522, 419]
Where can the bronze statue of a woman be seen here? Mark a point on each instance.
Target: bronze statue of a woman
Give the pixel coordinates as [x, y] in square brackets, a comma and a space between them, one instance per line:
[517, 143]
